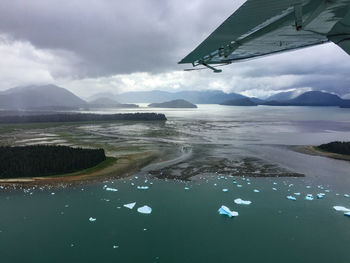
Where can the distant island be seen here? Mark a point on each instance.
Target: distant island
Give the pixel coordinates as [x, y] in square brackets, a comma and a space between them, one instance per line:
[240, 102]
[173, 104]
[80, 117]
[109, 103]
[41, 160]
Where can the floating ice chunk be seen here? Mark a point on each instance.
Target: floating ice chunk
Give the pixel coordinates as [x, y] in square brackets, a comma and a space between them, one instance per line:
[111, 189]
[248, 183]
[309, 197]
[132, 184]
[296, 193]
[142, 187]
[105, 186]
[224, 210]
[91, 219]
[115, 246]
[239, 185]
[289, 197]
[273, 188]
[327, 191]
[341, 209]
[347, 214]
[346, 195]
[130, 206]
[308, 186]
[225, 190]
[274, 183]
[234, 182]
[320, 195]
[186, 188]
[52, 193]
[256, 191]
[239, 201]
[144, 209]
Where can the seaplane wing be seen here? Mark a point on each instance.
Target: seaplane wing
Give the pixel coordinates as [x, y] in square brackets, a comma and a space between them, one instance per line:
[262, 27]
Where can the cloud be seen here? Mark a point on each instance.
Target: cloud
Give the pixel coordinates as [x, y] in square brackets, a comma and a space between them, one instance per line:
[94, 46]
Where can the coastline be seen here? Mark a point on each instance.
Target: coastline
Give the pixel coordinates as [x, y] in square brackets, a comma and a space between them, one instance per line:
[312, 150]
[112, 168]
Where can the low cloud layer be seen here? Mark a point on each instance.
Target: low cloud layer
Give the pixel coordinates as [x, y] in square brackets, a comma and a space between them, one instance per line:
[95, 46]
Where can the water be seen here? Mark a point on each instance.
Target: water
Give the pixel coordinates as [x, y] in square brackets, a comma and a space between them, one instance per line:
[184, 226]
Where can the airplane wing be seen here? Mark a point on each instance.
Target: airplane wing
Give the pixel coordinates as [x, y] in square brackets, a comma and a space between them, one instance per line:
[262, 27]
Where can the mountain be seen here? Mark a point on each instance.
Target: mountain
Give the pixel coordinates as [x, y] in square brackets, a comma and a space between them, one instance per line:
[312, 98]
[197, 97]
[283, 96]
[240, 102]
[39, 97]
[109, 103]
[173, 104]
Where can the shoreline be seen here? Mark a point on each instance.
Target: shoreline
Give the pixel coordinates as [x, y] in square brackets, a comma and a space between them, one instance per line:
[112, 168]
[312, 150]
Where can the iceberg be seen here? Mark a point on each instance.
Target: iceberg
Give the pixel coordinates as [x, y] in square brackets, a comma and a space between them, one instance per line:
[256, 191]
[115, 246]
[239, 201]
[273, 188]
[346, 195]
[225, 190]
[347, 214]
[91, 219]
[239, 185]
[130, 206]
[111, 189]
[186, 188]
[341, 209]
[320, 195]
[144, 209]
[142, 187]
[224, 210]
[309, 197]
[289, 197]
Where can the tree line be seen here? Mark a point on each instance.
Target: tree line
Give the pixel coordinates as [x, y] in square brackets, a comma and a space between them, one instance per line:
[77, 117]
[336, 147]
[44, 160]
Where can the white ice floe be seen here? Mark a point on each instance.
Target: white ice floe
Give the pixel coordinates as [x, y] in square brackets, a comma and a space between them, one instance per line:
[142, 187]
[320, 195]
[91, 219]
[309, 197]
[347, 214]
[341, 209]
[115, 246]
[52, 193]
[346, 195]
[130, 205]
[296, 193]
[186, 188]
[224, 210]
[308, 186]
[327, 191]
[234, 182]
[225, 190]
[273, 188]
[239, 201]
[111, 189]
[256, 191]
[289, 197]
[239, 185]
[144, 209]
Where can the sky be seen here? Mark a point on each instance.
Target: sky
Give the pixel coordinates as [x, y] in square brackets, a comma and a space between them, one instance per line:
[94, 46]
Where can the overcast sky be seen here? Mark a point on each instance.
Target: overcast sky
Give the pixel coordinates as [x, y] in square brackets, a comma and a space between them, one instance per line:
[95, 46]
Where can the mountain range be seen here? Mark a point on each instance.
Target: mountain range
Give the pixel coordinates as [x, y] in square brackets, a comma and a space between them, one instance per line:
[51, 97]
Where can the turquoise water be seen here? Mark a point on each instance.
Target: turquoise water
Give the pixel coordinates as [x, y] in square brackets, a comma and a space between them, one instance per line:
[184, 226]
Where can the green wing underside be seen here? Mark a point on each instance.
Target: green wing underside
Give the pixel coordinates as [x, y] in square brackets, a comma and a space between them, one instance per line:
[263, 27]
